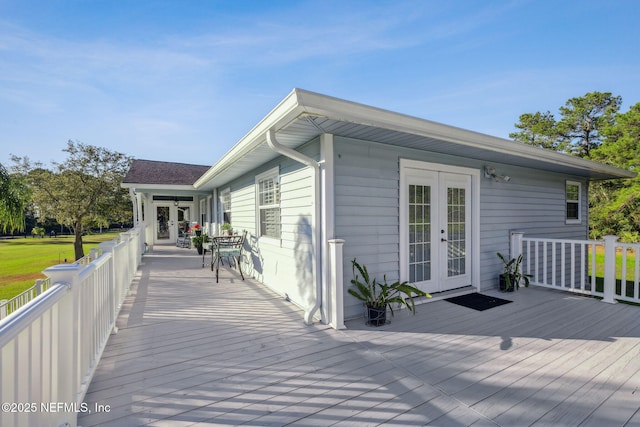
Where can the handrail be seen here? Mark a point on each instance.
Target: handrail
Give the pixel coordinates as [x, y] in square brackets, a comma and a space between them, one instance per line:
[50, 347]
[603, 268]
[9, 306]
[25, 315]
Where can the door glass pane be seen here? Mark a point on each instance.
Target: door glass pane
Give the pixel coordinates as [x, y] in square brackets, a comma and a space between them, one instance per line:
[419, 233]
[162, 222]
[456, 232]
[184, 221]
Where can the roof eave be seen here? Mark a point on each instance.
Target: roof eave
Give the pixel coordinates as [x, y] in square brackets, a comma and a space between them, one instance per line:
[160, 187]
[347, 111]
[300, 102]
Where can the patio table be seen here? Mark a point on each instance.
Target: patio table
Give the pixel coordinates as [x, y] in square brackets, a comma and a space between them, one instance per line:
[226, 247]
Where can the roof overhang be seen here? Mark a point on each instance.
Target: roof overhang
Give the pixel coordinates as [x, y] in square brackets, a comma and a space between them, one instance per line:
[303, 116]
[162, 188]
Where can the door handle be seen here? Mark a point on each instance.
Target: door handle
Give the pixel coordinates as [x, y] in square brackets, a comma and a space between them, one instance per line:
[443, 240]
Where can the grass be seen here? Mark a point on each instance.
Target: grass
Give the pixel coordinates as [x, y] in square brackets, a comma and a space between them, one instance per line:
[24, 259]
[630, 263]
[630, 270]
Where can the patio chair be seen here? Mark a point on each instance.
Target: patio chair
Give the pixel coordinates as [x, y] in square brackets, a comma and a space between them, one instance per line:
[229, 247]
[183, 240]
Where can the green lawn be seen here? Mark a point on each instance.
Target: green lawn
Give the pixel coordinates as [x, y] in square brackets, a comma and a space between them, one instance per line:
[631, 262]
[23, 259]
[630, 265]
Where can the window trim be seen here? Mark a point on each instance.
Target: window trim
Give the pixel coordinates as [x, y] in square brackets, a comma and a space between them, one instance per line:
[223, 193]
[203, 212]
[578, 201]
[273, 173]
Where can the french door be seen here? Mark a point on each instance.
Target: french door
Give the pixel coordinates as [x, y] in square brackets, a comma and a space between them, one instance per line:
[436, 233]
[171, 222]
[164, 232]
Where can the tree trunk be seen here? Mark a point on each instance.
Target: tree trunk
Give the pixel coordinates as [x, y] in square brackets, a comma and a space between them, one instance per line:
[77, 243]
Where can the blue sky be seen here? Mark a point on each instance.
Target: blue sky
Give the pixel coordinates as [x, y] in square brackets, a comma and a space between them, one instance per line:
[185, 80]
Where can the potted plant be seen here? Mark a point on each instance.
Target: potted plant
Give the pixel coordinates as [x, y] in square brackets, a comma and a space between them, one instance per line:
[377, 296]
[195, 229]
[512, 276]
[198, 242]
[226, 228]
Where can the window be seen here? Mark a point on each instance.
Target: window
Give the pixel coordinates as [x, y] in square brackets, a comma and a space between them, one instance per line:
[225, 203]
[572, 197]
[203, 212]
[268, 195]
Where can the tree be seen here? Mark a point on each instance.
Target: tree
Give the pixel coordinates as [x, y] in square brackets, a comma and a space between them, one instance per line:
[80, 192]
[591, 127]
[615, 205]
[538, 129]
[13, 194]
[579, 129]
[584, 119]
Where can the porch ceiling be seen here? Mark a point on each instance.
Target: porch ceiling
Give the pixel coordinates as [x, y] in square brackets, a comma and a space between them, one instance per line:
[303, 116]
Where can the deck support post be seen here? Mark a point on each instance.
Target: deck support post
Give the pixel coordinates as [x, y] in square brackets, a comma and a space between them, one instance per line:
[609, 269]
[336, 285]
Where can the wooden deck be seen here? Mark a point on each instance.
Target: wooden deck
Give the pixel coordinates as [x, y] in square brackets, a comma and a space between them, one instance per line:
[191, 352]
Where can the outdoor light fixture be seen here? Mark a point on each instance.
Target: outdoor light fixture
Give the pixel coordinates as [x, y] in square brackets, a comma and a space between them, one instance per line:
[490, 172]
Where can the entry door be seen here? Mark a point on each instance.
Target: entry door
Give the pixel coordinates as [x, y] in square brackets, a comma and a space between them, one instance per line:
[171, 222]
[436, 229]
[165, 224]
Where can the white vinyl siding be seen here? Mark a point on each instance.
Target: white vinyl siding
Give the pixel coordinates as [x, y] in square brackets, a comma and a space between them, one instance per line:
[367, 212]
[284, 264]
[244, 212]
[367, 209]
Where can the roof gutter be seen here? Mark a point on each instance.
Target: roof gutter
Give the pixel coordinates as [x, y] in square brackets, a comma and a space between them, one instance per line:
[315, 220]
[352, 112]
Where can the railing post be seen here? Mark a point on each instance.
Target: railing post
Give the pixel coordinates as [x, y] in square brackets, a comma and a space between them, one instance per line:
[107, 247]
[336, 287]
[610, 269]
[38, 286]
[516, 244]
[66, 361]
[3, 308]
[93, 254]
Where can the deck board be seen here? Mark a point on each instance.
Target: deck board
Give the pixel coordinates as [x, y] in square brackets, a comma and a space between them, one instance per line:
[191, 352]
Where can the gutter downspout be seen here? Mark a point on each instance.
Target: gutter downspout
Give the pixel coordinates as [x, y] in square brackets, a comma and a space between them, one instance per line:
[308, 161]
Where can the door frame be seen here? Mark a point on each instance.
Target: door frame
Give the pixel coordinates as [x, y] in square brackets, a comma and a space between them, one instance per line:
[173, 220]
[406, 165]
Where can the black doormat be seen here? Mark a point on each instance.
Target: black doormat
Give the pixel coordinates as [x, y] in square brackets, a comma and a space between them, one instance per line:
[478, 301]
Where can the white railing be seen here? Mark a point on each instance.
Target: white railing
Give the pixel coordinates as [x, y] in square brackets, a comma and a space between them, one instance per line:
[50, 348]
[603, 268]
[91, 256]
[9, 306]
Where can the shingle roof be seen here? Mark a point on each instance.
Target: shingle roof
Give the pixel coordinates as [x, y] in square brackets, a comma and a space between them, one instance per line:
[154, 172]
